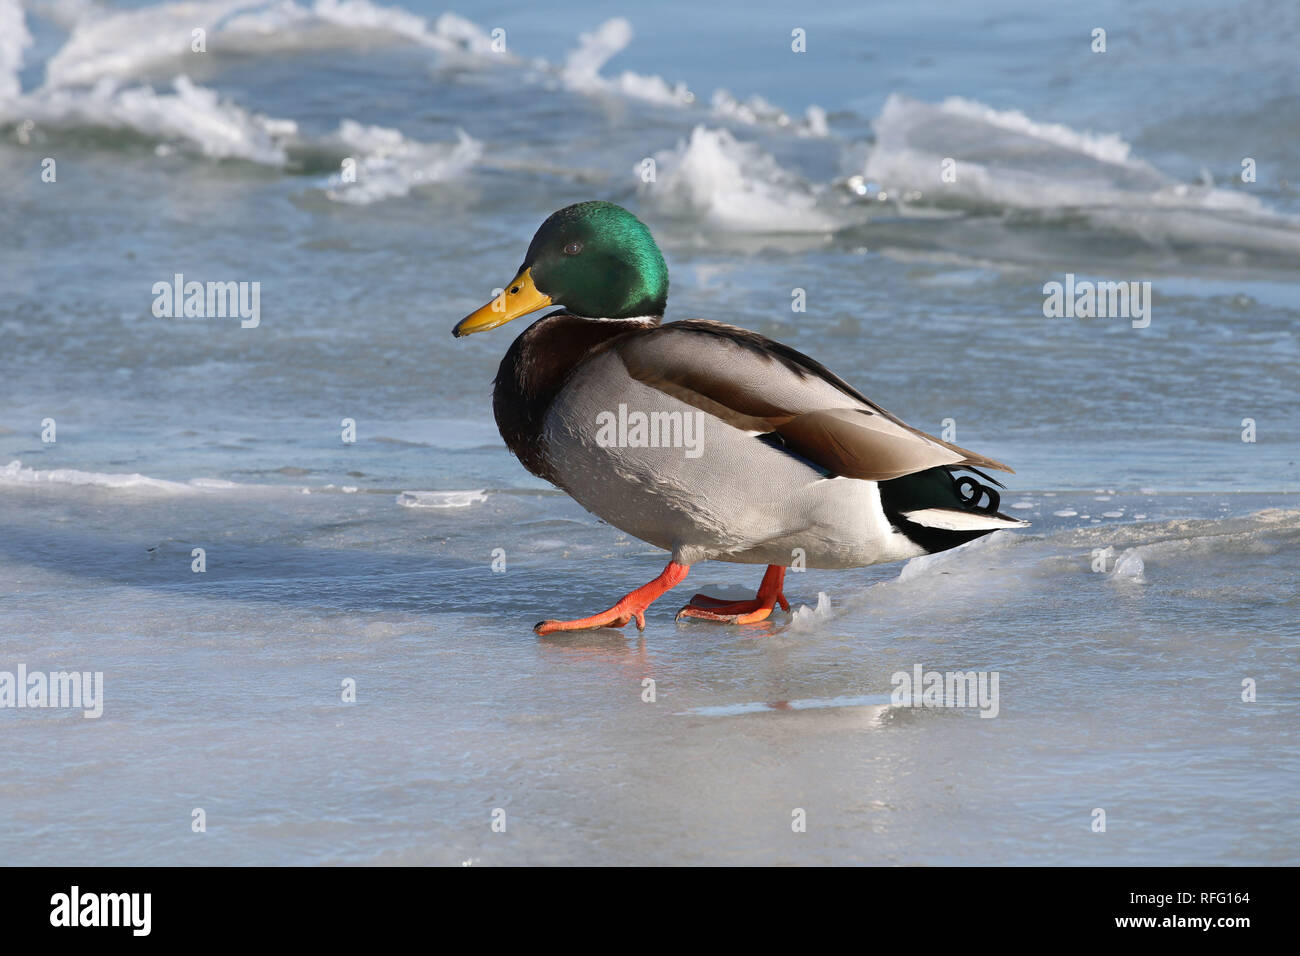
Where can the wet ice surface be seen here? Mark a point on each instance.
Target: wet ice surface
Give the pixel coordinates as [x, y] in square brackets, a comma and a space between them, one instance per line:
[1158, 574]
[223, 690]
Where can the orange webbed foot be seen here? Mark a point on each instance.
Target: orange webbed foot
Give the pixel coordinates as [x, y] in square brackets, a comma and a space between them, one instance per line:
[632, 606]
[704, 608]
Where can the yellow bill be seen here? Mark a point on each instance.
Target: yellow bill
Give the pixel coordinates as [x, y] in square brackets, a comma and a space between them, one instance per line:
[519, 298]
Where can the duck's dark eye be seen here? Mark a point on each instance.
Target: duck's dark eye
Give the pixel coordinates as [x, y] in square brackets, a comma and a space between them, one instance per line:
[573, 248]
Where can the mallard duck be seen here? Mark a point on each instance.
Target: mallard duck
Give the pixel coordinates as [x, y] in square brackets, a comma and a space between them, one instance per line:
[707, 440]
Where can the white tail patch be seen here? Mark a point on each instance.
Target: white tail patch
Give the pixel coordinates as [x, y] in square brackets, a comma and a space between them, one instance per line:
[947, 519]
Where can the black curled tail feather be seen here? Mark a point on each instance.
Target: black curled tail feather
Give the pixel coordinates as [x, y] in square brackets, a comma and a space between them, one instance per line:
[972, 494]
[941, 489]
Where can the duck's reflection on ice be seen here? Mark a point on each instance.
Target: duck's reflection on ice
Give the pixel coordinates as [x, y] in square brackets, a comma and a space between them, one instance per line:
[599, 644]
[864, 709]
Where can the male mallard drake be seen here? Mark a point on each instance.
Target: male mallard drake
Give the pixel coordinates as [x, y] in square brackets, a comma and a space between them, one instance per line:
[704, 439]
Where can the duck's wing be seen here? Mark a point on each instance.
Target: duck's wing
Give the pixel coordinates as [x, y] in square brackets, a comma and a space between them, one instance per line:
[763, 387]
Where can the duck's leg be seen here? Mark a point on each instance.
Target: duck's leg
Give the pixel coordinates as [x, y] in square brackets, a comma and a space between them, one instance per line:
[705, 608]
[631, 605]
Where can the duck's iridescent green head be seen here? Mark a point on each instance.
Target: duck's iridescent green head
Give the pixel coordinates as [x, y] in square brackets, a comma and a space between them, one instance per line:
[594, 258]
